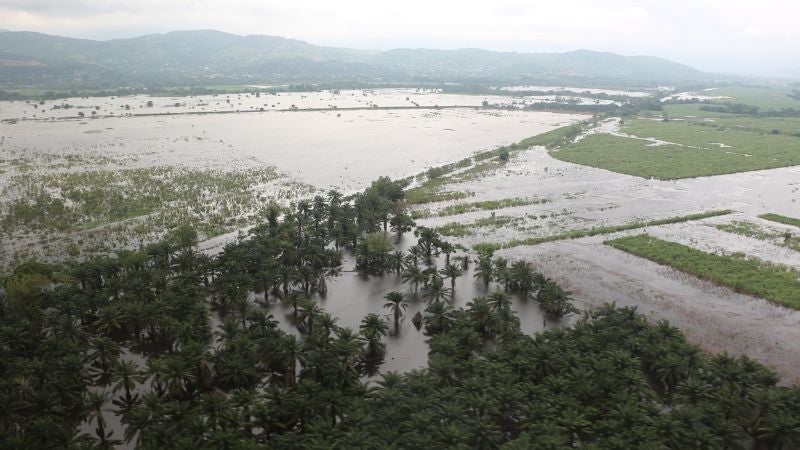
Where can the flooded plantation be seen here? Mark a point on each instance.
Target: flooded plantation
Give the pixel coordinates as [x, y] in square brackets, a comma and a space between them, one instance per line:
[555, 197]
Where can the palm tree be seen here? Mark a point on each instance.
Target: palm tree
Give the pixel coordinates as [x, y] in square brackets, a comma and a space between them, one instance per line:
[126, 374]
[327, 322]
[401, 223]
[501, 272]
[501, 305]
[554, 300]
[415, 276]
[396, 304]
[95, 401]
[296, 299]
[427, 239]
[482, 316]
[395, 261]
[435, 291]
[373, 328]
[485, 270]
[288, 353]
[447, 248]
[451, 271]
[439, 317]
[105, 354]
[522, 277]
[308, 313]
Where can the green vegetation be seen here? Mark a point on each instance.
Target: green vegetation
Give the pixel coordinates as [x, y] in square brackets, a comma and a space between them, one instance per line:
[613, 380]
[756, 231]
[430, 191]
[76, 200]
[750, 276]
[762, 97]
[576, 234]
[553, 138]
[465, 229]
[486, 205]
[699, 150]
[781, 219]
[784, 125]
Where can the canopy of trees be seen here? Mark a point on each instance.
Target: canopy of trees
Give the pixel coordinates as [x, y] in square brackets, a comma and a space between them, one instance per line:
[132, 336]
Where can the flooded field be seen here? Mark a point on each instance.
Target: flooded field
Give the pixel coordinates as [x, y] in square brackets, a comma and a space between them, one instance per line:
[305, 152]
[576, 90]
[88, 107]
[580, 197]
[352, 296]
[346, 148]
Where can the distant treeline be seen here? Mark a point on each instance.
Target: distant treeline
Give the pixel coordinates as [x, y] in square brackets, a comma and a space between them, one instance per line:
[742, 108]
[731, 108]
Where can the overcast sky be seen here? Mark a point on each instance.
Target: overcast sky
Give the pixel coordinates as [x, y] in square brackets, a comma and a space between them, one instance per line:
[757, 37]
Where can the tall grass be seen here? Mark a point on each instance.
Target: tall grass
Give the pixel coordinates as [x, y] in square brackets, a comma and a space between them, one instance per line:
[773, 282]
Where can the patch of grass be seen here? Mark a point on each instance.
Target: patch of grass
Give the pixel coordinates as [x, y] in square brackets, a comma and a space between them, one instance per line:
[746, 151]
[459, 229]
[553, 138]
[431, 194]
[755, 231]
[773, 282]
[689, 109]
[763, 97]
[784, 125]
[748, 229]
[488, 205]
[576, 234]
[781, 219]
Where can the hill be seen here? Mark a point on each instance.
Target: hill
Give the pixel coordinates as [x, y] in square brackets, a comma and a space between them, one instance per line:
[214, 57]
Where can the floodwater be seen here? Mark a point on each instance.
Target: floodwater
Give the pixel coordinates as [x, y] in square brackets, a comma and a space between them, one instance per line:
[576, 90]
[353, 295]
[327, 149]
[713, 317]
[248, 102]
[346, 149]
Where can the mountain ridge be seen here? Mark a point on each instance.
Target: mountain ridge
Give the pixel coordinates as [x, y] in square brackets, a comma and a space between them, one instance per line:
[215, 57]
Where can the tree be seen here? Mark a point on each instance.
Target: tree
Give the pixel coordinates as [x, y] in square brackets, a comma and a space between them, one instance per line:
[435, 291]
[485, 270]
[402, 223]
[126, 376]
[554, 300]
[451, 271]
[373, 328]
[396, 304]
[428, 240]
[183, 237]
[415, 276]
[95, 401]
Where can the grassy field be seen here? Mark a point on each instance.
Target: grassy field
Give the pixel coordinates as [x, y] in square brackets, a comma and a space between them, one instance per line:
[699, 152]
[690, 109]
[751, 276]
[461, 229]
[486, 205]
[575, 234]
[763, 97]
[784, 125]
[781, 219]
[756, 231]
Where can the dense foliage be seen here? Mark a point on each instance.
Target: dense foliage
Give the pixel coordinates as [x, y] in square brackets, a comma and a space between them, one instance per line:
[180, 347]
